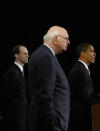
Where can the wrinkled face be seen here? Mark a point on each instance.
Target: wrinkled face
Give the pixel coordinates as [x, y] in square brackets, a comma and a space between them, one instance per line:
[62, 42]
[22, 57]
[90, 55]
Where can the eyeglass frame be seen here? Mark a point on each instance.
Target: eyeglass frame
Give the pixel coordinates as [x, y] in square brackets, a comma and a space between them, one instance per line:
[66, 38]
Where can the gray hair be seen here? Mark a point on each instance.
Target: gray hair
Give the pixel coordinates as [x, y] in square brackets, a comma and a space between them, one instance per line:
[50, 35]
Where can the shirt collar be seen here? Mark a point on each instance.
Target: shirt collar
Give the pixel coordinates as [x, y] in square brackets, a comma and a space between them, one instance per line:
[84, 64]
[21, 68]
[50, 48]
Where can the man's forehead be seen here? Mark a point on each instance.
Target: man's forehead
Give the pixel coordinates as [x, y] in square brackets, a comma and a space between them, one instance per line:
[57, 28]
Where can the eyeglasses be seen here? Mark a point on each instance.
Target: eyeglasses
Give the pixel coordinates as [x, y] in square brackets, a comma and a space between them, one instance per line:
[66, 38]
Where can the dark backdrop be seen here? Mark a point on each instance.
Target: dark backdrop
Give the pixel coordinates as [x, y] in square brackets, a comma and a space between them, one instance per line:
[26, 26]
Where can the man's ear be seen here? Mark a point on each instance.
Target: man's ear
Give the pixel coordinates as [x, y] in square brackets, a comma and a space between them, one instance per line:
[55, 40]
[82, 53]
[16, 55]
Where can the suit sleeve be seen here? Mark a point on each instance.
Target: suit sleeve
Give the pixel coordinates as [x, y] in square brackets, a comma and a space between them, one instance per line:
[79, 81]
[9, 86]
[45, 84]
[88, 93]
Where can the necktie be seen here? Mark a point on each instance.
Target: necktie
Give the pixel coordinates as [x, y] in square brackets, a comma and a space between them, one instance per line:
[22, 73]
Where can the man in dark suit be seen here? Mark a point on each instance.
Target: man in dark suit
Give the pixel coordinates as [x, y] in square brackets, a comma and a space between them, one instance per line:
[82, 92]
[49, 105]
[14, 99]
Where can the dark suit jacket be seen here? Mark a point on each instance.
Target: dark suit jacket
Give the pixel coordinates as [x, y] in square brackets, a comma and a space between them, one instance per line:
[49, 106]
[82, 96]
[14, 101]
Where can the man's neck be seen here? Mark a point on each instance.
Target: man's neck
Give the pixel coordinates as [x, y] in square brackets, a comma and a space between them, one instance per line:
[50, 47]
[84, 60]
[19, 65]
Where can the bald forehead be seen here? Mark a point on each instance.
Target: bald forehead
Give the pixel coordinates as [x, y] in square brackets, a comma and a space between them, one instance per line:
[57, 28]
[23, 49]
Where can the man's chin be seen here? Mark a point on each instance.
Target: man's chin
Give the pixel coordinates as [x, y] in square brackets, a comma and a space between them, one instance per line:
[65, 48]
[93, 62]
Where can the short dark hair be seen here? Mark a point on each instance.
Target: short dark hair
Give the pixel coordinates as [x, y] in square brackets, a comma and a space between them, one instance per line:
[82, 47]
[16, 50]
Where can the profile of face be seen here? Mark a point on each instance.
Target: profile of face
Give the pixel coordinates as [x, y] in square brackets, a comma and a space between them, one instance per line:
[22, 57]
[62, 41]
[90, 55]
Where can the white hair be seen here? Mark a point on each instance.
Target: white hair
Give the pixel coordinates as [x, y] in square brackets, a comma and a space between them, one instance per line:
[50, 35]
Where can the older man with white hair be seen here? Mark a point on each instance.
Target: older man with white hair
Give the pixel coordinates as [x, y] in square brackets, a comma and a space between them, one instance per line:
[49, 91]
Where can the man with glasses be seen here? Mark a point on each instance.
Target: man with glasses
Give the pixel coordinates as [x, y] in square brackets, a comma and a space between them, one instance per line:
[50, 97]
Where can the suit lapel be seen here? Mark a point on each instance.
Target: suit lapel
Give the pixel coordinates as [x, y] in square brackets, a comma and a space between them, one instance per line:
[60, 68]
[88, 76]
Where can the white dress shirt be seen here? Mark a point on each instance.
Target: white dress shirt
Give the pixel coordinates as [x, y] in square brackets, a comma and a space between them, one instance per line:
[20, 67]
[85, 65]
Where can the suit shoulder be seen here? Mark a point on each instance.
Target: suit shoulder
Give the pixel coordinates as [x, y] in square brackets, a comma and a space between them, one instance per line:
[12, 70]
[77, 69]
[42, 53]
